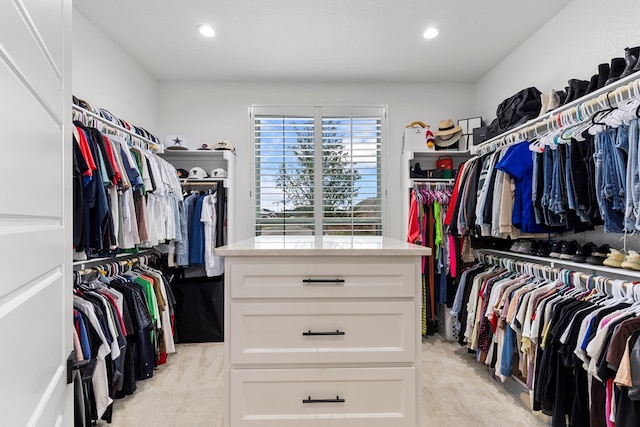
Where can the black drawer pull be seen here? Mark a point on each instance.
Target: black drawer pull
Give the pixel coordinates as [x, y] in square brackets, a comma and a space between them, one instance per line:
[310, 334]
[336, 400]
[323, 281]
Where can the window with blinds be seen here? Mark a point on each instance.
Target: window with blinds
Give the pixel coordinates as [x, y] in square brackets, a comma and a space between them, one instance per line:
[318, 170]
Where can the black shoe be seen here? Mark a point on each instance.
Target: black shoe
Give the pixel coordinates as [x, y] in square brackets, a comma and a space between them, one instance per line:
[583, 252]
[417, 172]
[631, 55]
[577, 89]
[562, 96]
[533, 250]
[617, 68]
[568, 250]
[598, 255]
[556, 248]
[603, 75]
[593, 84]
[544, 248]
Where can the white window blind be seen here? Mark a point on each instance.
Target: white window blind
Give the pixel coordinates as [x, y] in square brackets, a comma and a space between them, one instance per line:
[318, 170]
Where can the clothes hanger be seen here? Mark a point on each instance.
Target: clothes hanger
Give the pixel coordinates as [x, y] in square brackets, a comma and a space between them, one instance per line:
[607, 108]
[535, 145]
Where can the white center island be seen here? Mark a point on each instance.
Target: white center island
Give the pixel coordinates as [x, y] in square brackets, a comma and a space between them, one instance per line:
[322, 331]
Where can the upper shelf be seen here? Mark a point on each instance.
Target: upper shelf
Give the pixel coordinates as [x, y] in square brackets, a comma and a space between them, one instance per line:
[568, 115]
[197, 154]
[437, 153]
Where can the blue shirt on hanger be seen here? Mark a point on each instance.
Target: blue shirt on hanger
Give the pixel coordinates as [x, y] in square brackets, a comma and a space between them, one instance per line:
[518, 163]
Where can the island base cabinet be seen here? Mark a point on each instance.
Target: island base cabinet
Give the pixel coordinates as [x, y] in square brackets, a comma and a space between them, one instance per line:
[329, 397]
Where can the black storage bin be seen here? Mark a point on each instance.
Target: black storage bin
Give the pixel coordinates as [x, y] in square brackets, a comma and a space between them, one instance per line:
[199, 312]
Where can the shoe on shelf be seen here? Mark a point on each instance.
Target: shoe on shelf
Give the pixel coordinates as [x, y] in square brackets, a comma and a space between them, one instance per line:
[568, 250]
[603, 74]
[583, 252]
[598, 255]
[544, 248]
[614, 259]
[515, 247]
[632, 261]
[555, 249]
[534, 247]
[525, 247]
[593, 84]
[631, 55]
[617, 68]
[577, 89]
[417, 172]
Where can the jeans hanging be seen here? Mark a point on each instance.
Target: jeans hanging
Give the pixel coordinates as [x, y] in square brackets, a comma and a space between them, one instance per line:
[607, 184]
[632, 195]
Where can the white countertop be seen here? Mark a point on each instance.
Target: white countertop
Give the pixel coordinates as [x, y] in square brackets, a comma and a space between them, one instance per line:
[321, 246]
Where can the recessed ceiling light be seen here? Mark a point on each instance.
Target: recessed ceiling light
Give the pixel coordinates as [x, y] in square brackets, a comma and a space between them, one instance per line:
[431, 33]
[206, 30]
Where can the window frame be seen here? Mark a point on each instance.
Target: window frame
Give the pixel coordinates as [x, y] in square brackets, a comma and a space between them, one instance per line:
[318, 113]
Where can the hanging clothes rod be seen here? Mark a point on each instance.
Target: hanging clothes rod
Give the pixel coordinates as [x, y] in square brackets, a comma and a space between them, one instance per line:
[149, 143]
[499, 261]
[208, 182]
[86, 264]
[580, 110]
[433, 180]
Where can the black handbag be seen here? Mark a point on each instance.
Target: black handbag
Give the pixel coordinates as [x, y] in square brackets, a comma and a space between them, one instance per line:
[518, 109]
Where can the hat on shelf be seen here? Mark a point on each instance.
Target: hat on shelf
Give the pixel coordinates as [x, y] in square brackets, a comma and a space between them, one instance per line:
[197, 173]
[447, 134]
[218, 173]
[206, 146]
[175, 142]
[224, 144]
[182, 173]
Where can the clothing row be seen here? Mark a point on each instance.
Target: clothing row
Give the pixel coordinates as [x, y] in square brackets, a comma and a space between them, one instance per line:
[123, 323]
[124, 197]
[575, 345]
[429, 204]
[574, 185]
[202, 220]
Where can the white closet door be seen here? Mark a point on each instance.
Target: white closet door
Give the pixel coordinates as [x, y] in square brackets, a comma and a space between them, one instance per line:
[35, 212]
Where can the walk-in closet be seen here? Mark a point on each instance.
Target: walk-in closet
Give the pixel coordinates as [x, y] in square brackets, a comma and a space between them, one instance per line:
[320, 213]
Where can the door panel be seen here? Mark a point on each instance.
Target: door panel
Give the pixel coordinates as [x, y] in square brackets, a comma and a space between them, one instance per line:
[47, 18]
[23, 45]
[30, 170]
[35, 212]
[25, 247]
[31, 367]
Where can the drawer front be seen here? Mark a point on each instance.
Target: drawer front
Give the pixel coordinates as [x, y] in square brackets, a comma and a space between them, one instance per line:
[376, 397]
[322, 332]
[287, 278]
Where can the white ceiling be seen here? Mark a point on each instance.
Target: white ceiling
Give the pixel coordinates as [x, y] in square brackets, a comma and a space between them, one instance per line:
[319, 40]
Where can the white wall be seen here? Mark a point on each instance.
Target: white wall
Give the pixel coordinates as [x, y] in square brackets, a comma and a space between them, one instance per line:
[571, 45]
[208, 111]
[107, 77]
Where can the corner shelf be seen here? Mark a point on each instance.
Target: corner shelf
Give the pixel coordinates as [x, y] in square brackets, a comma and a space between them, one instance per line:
[209, 160]
[427, 160]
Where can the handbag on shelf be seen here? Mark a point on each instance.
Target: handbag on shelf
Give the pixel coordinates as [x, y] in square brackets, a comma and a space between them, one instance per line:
[445, 164]
[418, 137]
[517, 109]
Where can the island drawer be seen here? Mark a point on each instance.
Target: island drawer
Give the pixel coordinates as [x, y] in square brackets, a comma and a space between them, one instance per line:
[340, 277]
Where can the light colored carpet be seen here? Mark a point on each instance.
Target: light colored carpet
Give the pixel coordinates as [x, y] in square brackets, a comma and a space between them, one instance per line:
[457, 391]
